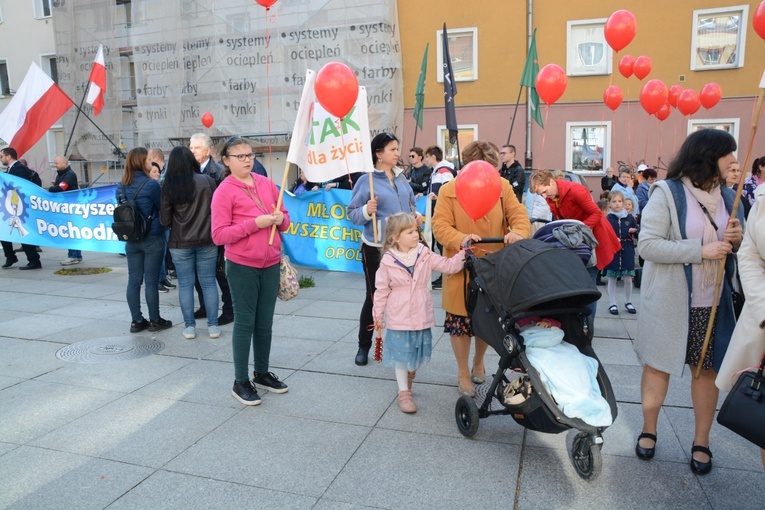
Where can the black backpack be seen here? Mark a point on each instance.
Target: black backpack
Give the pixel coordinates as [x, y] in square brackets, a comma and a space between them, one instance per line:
[129, 223]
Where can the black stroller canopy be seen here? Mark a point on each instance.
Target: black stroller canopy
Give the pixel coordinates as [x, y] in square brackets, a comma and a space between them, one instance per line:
[529, 273]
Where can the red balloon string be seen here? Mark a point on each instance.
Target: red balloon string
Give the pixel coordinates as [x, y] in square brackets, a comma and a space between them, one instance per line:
[661, 142]
[629, 124]
[544, 135]
[268, 94]
[338, 126]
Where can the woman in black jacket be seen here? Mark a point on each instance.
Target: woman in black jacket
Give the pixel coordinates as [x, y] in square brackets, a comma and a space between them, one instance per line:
[186, 198]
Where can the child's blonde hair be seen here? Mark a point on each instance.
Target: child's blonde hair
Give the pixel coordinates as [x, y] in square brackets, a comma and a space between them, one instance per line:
[615, 193]
[394, 225]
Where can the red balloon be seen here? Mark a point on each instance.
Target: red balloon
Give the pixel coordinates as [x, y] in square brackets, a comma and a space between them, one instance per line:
[266, 3]
[551, 83]
[626, 64]
[758, 21]
[674, 92]
[613, 97]
[207, 119]
[620, 29]
[688, 102]
[478, 188]
[710, 95]
[336, 88]
[663, 112]
[653, 95]
[642, 67]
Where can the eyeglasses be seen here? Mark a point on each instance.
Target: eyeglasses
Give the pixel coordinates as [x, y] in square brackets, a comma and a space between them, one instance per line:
[243, 157]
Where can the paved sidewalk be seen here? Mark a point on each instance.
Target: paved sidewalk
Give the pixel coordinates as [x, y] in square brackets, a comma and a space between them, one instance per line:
[162, 431]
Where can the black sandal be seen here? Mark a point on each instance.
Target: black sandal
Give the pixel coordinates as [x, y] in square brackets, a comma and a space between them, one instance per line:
[698, 467]
[645, 453]
[630, 308]
[613, 309]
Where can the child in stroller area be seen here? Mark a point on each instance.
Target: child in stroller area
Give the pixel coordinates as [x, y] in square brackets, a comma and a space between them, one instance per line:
[402, 300]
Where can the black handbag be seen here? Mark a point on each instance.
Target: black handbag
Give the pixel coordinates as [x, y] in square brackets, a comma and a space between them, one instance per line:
[743, 410]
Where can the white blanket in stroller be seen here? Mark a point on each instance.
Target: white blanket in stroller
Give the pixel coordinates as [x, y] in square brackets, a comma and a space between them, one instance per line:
[569, 375]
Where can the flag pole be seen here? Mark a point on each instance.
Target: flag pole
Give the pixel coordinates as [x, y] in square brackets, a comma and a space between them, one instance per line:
[79, 109]
[515, 113]
[279, 201]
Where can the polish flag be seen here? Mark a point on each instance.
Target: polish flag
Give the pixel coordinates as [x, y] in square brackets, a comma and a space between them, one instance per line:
[97, 82]
[37, 105]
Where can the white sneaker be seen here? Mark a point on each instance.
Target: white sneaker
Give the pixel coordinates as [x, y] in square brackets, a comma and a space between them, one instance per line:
[190, 333]
[70, 262]
[214, 331]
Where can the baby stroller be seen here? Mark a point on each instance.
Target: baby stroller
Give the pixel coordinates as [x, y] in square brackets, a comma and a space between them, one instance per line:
[526, 279]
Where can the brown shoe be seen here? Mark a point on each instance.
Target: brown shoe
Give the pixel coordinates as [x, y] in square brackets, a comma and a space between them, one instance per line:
[405, 402]
[410, 378]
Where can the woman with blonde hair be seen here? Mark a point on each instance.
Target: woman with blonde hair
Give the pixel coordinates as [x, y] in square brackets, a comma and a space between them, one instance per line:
[454, 229]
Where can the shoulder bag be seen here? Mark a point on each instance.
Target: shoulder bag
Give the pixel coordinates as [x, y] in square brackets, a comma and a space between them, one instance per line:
[743, 411]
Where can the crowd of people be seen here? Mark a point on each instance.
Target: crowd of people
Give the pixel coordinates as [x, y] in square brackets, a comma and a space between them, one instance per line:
[215, 220]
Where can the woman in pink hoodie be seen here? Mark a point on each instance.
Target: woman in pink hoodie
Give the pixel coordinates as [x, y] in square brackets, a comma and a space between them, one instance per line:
[243, 212]
[403, 296]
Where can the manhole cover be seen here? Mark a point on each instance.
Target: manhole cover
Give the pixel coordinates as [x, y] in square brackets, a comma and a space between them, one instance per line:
[110, 350]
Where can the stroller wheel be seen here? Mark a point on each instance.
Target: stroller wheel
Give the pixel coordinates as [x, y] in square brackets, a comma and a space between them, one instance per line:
[466, 413]
[585, 455]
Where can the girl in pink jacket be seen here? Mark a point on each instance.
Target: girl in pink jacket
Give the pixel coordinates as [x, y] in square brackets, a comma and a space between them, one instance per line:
[403, 297]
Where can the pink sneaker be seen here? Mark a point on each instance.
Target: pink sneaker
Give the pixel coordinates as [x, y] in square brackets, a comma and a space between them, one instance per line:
[405, 402]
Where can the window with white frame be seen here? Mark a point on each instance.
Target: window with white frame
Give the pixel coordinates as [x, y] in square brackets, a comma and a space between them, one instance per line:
[587, 51]
[5, 87]
[49, 64]
[718, 38]
[466, 133]
[728, 125]
[42, 9]
[588, 146]
[463, 50]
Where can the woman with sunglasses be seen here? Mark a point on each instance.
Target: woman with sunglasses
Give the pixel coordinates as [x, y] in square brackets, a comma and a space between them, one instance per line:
[243, 212]
[392, 195]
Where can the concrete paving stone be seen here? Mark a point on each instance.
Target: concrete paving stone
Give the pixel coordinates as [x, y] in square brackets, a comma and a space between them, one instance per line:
[93, 309]
[729, 449]
[334, 398]
[407, 470]
[615, 352]
[290, 307]
[272, 451]
[332, 279]
[435, 415]
[91, 291]
[315, 293]
[8, 315]
[7, 447]
[549, 481]
[355, 296]
[625, 381]
[34, 408]
[353, 335]
[338, 358]
[608, 327]
[631, 327]
[316, 328]
[294, 353]
[16, 356]
[331, 309]
[92, 329]
[40, 325]
[5, 382]
[201, 382]
[331, 504]
[178, 491]
[734, 489]
[39, 478]
[198, 348]
[139, 430]
[124, 376]
[32, 303]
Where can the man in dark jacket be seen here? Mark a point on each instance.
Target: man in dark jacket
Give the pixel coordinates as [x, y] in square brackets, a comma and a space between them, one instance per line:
[419, 175]
[66, 180]
[512, 170]
[9, 158]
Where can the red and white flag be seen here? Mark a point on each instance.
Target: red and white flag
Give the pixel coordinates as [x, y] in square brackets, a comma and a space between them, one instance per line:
[97, 82]
[37, 105]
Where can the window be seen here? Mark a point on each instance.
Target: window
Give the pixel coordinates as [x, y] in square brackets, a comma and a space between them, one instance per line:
[588, 53]
[588, 146]
[5, 88]
[466, 134]
[463, 50]
[728, 125]
[42, 9]
[718, 38]
[49, 64]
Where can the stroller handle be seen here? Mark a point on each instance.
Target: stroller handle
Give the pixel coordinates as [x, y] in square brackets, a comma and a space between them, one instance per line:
[485, 240]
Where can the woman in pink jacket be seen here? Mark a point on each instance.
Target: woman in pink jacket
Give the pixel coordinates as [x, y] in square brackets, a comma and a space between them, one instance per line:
[403, 296]
[243, 212]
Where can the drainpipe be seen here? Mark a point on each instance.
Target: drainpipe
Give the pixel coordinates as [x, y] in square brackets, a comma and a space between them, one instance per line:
[529, 31]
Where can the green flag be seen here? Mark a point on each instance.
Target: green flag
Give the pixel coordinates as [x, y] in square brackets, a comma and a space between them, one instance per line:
[419, 101]
[529, 78]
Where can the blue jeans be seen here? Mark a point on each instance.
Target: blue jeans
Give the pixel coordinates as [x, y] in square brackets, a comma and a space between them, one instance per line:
[144, 258]
[162, 269]
[75, 254]
[201, 261]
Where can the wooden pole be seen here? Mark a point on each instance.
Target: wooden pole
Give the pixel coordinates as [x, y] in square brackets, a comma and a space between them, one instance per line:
[734, 213]
[279, 201]
[372, 195]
